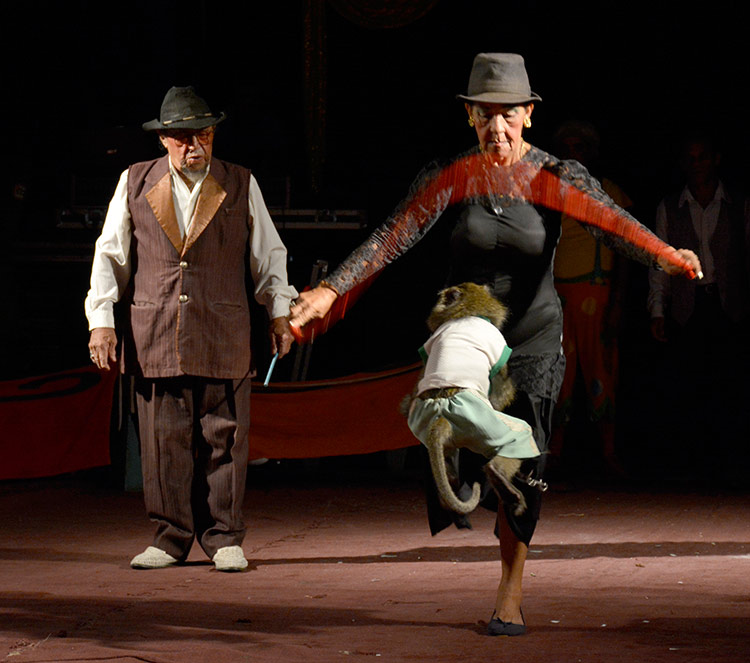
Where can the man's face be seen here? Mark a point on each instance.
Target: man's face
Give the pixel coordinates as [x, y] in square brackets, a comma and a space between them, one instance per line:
[578, 148]
[189, 151]
[700, 162]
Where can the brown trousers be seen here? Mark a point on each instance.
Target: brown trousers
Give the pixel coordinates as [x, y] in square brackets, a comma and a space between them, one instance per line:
[194, 451]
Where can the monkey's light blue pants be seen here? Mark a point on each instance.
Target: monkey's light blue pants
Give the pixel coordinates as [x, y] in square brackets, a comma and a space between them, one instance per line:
[476, 425]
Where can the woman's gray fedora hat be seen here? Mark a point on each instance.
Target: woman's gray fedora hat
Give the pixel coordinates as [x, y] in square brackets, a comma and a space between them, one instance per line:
[182, 108]
[499, 78]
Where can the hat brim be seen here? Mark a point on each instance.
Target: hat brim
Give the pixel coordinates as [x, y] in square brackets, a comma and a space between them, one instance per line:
[195, 123]
[500, 98]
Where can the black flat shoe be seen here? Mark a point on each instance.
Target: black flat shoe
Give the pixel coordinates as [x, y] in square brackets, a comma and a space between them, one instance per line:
[499, 627]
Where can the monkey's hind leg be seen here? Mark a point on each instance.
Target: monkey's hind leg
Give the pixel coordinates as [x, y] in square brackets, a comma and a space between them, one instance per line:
[500, 472]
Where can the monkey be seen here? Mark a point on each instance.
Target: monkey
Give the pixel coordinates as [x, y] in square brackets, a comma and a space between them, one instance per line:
[463, 388]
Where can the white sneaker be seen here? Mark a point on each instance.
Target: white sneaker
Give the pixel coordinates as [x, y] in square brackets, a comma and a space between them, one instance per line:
[152, 558]
[230, 558]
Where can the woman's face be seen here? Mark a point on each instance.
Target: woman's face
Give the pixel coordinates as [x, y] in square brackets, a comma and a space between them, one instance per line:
[499, 127]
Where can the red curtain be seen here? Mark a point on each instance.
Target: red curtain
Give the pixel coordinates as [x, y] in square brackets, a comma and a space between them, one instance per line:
[355, 415]
[56, 423]
[60, 423]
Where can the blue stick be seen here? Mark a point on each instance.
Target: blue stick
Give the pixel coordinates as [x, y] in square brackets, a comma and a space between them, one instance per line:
[270, 369]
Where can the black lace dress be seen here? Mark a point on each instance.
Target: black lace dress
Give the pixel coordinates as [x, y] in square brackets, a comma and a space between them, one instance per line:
[501, 239]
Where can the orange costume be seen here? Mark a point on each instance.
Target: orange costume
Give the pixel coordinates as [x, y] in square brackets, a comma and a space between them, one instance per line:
[584, 270]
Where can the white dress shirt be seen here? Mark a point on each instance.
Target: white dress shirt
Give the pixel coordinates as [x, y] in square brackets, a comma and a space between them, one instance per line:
[110, 271]
[704, 224]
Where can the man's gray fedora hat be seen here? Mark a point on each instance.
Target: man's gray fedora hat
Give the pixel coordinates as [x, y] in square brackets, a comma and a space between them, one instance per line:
[182, 108]
[499, 78]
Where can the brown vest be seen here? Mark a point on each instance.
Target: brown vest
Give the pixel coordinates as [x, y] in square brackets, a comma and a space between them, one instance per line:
[189, 312]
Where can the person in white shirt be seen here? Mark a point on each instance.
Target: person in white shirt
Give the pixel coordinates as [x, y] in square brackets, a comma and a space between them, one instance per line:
[703, 322]
[183, 236]
[713, 220]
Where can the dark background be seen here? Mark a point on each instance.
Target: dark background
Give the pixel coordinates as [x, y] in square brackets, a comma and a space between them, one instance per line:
[81, 77]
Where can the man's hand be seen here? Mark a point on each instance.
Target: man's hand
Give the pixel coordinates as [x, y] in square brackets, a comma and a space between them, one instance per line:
[659, 329]
[281, 336]
[102, 347]
[312, 305]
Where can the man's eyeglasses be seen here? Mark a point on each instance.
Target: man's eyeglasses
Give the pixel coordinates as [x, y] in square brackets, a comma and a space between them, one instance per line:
[185, 137]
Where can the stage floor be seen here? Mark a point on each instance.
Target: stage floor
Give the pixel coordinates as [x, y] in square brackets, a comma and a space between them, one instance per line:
[350, 573]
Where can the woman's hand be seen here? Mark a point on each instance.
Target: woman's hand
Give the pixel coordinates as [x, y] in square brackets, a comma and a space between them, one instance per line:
[675, 270]
[312, 305]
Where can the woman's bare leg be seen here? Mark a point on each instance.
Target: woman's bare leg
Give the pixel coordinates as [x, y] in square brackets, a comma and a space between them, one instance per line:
[513, 555]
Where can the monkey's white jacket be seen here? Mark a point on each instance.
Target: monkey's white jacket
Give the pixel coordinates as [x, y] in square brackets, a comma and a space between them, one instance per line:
[466, 353]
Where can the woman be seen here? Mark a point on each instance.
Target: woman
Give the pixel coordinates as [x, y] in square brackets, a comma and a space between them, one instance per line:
[502, 240]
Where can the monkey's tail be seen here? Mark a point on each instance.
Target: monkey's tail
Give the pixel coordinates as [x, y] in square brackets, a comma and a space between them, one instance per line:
[437, 438]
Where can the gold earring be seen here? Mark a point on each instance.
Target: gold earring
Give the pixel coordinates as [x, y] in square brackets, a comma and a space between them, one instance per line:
[471, 121]
[527, 122]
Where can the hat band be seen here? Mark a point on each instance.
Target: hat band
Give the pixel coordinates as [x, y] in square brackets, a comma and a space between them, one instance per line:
[187, 118]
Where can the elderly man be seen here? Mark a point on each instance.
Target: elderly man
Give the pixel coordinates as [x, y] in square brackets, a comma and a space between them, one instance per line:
[183, 236]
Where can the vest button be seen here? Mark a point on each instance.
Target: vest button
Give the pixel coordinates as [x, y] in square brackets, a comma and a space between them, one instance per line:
[183, 264]
[183, 298]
